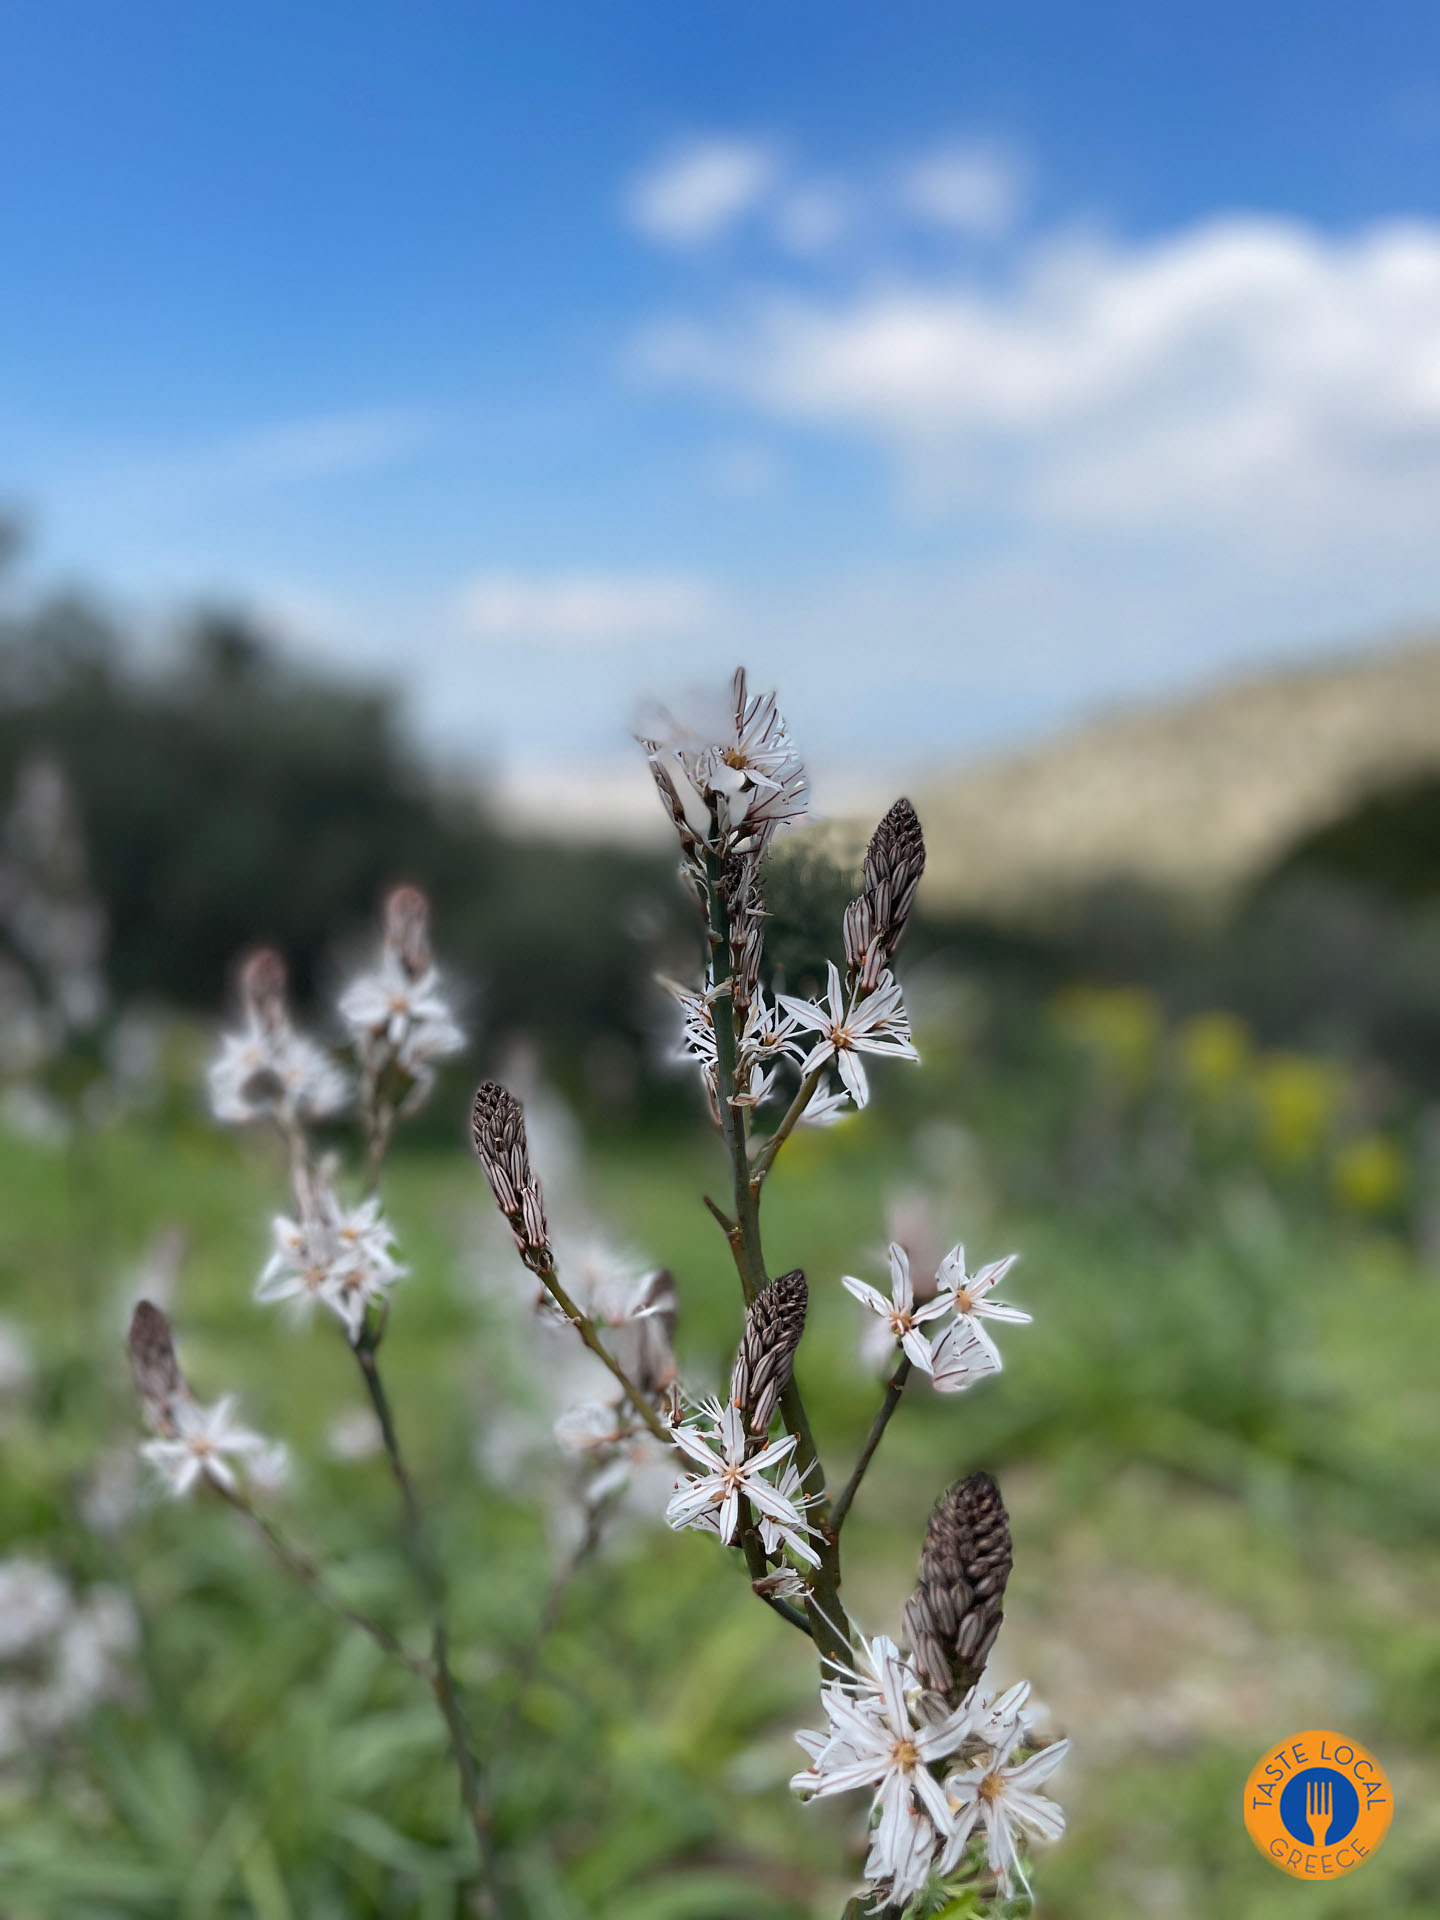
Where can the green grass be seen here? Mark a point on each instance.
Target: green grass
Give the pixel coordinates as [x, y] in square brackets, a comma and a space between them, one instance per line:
[1217, 1442]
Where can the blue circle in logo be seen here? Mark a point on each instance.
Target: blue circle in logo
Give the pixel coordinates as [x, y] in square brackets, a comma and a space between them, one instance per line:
[1303, 1806]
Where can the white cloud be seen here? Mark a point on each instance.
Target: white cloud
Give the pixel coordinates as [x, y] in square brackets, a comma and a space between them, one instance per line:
[1248, 374]
[700, 190]
[571, 609]
[969, 188]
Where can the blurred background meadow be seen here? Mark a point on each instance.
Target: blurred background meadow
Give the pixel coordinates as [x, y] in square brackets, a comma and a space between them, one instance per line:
[1046, 401]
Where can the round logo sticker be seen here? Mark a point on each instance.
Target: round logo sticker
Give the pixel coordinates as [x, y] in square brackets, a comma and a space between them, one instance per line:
[1317, 1805]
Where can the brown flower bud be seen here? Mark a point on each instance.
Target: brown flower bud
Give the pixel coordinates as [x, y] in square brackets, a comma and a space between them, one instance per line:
[954, 1614]
[497, 1124]
[407, 929]
[158, 1379]
[262, 989]
[763, 1365]
[894, 862]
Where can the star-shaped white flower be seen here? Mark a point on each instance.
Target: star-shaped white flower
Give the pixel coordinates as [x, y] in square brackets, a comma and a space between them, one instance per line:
[875, 1024]
[900, 1312]
[774, 1535]
[1005, 1799]
[999, 1719]
[875, 1740]
[203, 1437]
[406, 1011]
[341, 1256]
[757, 778]
[969, 1295]
[711, 1499]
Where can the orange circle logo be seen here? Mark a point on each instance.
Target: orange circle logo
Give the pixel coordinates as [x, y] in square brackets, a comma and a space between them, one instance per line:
[1318, 1805]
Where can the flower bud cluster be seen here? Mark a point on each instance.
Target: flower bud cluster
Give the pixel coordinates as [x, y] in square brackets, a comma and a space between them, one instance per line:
[766, 1357]
[954, 1614]
[874, 923]
[497, 1127]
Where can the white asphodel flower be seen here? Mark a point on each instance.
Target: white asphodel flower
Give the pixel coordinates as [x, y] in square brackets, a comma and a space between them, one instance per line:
[827, 1105]
[1005, 1799]
[339, 1256]
[203, 1438]
[900, 1312]
[875, 1741]
[774, 1536]
[757, 777]
[961, 1356]
[1001, 1720]
[741, 763]
[876, 1024]
[405, 1012]
[711, 1498]
[969, 1297]
[264, 1074]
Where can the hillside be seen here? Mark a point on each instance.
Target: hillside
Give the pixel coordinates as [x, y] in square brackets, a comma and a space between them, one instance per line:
[1194, 799]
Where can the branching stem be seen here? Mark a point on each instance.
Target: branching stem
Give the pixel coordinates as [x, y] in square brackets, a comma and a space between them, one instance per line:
[589, 1333]
[299, 1563]
[846, 1495]
[794, 1113]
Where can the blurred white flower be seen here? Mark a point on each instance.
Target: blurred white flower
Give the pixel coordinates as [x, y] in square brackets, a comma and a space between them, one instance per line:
[66, 1653]
[900, 1312]
[204, 1437]
[99, 1633]
[353, 1435]
[876, 1024]
[339, 1256]
[32, 1115]
[34, 1605]
[394, 1013]
[268, 1073]
[590, 1427]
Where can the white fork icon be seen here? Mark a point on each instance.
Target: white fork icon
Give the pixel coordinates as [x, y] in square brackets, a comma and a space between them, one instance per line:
[1319, 1809]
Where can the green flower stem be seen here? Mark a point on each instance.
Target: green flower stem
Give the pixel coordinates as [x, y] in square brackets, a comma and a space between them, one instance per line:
[299, 1563]
[762, 1161]
[829, 1625]
[431, 1579]
[894, 1389]
[589, 1333]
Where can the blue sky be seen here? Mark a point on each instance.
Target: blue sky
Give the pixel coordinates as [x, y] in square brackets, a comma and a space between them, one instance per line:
[964, 368]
